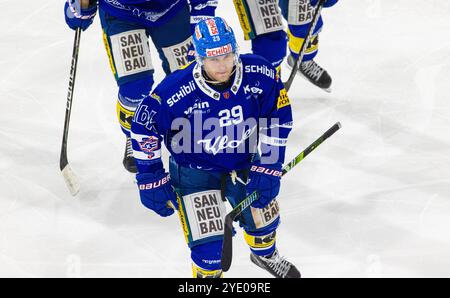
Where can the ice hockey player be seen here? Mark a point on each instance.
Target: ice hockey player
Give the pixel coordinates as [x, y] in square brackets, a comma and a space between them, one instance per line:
[212, 116]
[261, 22]
[127, 26]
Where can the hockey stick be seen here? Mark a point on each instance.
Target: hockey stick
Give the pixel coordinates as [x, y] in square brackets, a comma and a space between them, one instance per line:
[305, 44]
[69, 176]
[227, 246]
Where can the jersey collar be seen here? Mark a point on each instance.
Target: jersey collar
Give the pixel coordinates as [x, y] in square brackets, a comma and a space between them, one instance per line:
[201, 83]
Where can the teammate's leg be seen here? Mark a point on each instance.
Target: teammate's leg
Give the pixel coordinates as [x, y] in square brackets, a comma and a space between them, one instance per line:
[299, 14]
[261, 22]
[172, 40]
[129, 55]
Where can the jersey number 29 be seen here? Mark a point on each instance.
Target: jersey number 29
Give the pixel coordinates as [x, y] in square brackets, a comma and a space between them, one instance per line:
[230, 117]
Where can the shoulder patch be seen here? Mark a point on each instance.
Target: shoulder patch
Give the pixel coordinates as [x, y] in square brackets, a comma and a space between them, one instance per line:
[283, 99]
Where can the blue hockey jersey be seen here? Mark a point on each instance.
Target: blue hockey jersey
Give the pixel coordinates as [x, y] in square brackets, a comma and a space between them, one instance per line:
[154, 12]
[214, 130]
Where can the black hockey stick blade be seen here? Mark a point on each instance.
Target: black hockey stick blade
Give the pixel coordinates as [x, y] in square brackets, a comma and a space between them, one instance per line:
[227, 243]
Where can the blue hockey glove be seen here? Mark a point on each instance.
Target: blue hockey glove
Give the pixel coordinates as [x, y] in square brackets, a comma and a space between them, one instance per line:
[191, 53]
[76, 17]
[156, 192]
[328, 3]
[265, 179]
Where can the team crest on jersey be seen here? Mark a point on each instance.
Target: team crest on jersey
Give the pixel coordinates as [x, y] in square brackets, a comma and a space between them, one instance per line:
[149, 145]
[226, 95]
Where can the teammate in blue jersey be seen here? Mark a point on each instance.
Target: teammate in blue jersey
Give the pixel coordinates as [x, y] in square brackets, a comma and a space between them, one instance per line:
[225, 120]
[261, 22]
[127, 26]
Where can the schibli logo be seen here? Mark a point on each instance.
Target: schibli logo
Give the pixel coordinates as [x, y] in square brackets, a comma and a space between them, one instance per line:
[182, 92]
[219, 51]
[263, 69]
[155, 184]
[266, 171]
[212, 27]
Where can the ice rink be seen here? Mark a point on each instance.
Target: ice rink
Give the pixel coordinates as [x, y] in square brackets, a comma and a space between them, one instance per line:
[372, 201]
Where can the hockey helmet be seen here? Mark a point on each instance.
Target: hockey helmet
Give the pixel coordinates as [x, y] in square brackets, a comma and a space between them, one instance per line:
[213, 37]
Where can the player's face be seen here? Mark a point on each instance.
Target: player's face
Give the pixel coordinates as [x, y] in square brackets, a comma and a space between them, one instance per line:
[219, 68]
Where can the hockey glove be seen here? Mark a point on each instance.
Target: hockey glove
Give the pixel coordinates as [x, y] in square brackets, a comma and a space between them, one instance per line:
[156, 192]
[265, 179]
[191, 53]
[328, 3]
[77, 17]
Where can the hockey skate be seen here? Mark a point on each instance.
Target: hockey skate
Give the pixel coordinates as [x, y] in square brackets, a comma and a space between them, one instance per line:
[128, 159]
[276, 265]
[313, 73]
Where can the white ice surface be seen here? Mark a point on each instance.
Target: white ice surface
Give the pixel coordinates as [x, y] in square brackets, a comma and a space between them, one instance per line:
[371, 201]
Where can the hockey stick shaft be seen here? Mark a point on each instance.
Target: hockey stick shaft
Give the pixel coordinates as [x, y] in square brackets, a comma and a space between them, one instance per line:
[227, 246]
[305, 44]
[68, 174]
[251, 198]
[311, 147]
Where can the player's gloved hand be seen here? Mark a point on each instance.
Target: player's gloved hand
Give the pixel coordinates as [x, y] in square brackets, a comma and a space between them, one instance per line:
[327, 3]
[156, 192]
[265, 179]
[191, 53]
[77, 17]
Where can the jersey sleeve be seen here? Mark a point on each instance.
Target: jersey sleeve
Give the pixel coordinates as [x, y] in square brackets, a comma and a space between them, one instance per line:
[148, 127]
[276, 124]
[201, 10]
